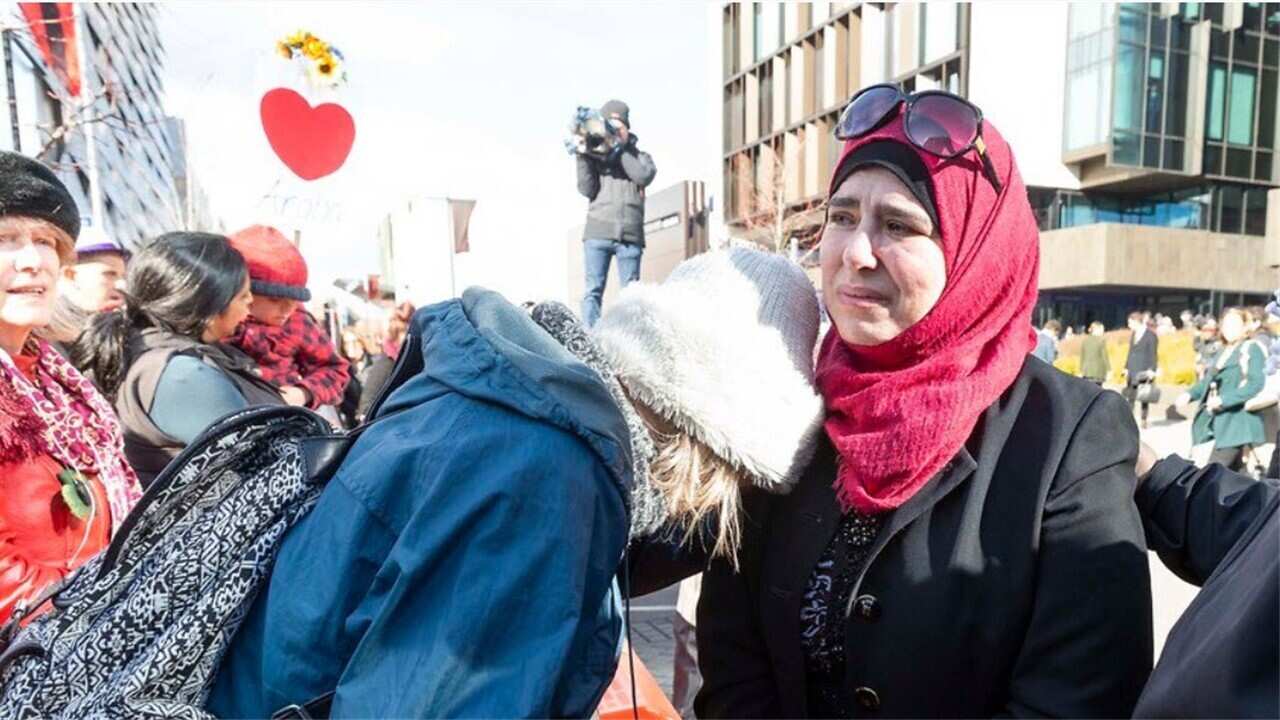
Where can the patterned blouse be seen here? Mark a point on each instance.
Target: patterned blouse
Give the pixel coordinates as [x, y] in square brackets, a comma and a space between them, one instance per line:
[822, 615]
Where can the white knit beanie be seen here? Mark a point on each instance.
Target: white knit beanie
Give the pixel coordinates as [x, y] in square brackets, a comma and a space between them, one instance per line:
[724, 350]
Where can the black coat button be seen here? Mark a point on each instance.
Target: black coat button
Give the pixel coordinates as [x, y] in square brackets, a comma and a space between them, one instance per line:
[867, 698]
[867, 607]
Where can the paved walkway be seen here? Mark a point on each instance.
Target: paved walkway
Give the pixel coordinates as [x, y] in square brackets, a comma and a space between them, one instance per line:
[651, 634]
[652, 639]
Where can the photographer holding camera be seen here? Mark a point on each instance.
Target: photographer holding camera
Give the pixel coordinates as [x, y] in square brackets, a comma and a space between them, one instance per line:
[614, 181]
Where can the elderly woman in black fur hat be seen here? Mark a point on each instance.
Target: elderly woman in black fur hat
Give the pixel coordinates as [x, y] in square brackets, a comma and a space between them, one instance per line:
[63, 476]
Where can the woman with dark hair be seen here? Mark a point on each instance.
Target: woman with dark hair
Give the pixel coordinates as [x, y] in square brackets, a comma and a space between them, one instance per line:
[965, 542]
[354, 349]
[160, 359]
[1237, 375]
[64, 482]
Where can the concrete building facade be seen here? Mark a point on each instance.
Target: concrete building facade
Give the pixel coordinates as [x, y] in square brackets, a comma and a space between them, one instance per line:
[126, 184]
[1147, 134]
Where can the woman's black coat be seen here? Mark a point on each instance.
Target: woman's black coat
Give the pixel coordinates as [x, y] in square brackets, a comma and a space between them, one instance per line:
[1014, 583]
[1221, 531]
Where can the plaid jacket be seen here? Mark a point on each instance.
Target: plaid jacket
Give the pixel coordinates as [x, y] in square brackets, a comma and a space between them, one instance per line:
[297, 353]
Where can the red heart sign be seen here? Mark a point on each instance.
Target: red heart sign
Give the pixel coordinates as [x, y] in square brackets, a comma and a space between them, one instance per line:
[313, 142]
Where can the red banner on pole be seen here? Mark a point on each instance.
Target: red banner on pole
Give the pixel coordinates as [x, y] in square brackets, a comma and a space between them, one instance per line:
[53, 27]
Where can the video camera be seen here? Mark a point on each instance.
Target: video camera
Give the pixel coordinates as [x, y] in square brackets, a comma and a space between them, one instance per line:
[591, 134]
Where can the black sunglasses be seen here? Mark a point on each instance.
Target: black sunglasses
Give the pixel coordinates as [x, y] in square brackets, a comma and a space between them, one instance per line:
[935, 121]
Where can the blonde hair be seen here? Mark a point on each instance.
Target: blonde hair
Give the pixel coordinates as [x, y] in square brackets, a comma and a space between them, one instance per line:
[698, 485]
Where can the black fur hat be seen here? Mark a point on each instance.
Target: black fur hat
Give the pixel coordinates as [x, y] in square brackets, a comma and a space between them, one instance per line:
[30, 189]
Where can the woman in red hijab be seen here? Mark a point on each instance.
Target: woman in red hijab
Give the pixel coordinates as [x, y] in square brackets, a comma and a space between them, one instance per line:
[965, 543]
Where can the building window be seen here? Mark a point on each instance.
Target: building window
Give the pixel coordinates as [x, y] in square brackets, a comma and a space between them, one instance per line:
[1252, 16]
[1212, 159]
[1133, 23]
[1127, 110]
[730, 38]
[1176, 96]
[1239, 163]
[1217, 101]
[1267, 109]
[1255, 211]
[32, 97]
[780, 17]
[766, 99]
[940, 28]
[757, 32]
[1088, 101]
[1231, 209]
[1155, 93]
[820, 72]
[1240, 111]
[1219, 208]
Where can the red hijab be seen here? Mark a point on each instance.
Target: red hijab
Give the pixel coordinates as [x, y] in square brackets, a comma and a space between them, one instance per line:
[898, 412]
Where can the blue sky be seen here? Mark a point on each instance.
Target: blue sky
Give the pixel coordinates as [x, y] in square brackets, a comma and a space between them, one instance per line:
[458, 99]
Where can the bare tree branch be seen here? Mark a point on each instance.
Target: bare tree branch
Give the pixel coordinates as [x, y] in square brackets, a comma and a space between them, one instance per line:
[767, 217]
[77, 112]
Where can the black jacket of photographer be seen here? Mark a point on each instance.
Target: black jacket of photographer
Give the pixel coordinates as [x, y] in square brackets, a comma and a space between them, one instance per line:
[615, 186]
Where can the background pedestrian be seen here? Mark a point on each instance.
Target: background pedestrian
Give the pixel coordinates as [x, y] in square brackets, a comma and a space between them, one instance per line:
[161, 359]
[292, 350]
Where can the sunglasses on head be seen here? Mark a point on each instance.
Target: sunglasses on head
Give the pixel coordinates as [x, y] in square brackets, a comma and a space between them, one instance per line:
[935, 121]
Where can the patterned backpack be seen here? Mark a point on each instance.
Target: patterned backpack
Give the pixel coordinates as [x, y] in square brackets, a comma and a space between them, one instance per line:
[139, 631]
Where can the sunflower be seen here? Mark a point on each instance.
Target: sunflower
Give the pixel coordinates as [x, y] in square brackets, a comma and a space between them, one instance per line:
[324, 63]
[315, 48]
[327, 68]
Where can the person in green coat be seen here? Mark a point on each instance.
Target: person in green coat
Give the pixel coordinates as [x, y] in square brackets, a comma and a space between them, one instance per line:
[1094, 363]
[1238, 374]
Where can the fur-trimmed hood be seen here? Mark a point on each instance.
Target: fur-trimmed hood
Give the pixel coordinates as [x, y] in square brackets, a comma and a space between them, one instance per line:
[724, 350]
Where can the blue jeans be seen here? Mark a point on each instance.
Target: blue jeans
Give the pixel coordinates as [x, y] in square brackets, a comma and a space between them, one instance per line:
[595, 263]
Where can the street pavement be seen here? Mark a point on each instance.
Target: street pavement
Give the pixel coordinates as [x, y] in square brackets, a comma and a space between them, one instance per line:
[651, 615]
[651, 633]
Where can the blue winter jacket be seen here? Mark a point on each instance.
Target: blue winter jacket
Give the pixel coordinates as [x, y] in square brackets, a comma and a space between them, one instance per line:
[460, 563]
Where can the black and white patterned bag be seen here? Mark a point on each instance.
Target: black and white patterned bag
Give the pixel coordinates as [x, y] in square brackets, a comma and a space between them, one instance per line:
[140, 630]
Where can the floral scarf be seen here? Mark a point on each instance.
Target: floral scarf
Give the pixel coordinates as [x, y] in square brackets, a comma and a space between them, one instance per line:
[63, 414]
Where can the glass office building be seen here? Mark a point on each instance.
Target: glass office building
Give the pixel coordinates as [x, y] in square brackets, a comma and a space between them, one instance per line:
[1169, 122]
[1154, 185]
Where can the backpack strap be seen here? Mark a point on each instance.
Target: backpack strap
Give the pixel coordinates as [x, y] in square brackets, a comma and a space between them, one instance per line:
[24, 608]
[314, 709]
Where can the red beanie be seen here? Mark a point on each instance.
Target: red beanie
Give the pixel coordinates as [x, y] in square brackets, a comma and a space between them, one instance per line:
[276, 268]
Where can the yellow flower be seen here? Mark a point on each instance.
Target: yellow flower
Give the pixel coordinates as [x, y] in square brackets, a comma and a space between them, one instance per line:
[315, 48]
[296, 39]
[327, 67]
[284, 51]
